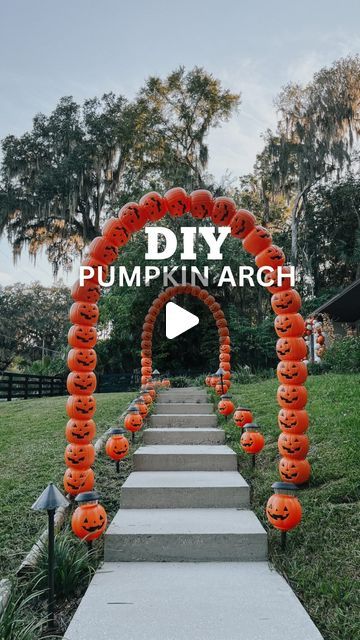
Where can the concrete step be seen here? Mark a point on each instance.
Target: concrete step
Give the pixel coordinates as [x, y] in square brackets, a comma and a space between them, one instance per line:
[178, 601]
[170, 399]
[185, 458]
[163, 435]
[183, 535]
[184, 489]
[187, 420]
[183, 408]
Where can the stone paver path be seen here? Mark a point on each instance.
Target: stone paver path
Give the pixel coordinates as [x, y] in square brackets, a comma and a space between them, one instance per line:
[185, 557]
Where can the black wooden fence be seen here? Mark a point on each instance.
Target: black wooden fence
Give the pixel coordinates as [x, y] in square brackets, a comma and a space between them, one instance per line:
[23, 385]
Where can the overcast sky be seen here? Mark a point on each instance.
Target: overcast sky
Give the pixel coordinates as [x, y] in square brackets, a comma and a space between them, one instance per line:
[88, 47]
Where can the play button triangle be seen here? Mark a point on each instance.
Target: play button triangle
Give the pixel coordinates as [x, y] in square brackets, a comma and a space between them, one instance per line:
[178, 320]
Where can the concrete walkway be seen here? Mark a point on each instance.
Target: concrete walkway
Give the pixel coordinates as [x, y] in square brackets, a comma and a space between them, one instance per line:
[185, 557]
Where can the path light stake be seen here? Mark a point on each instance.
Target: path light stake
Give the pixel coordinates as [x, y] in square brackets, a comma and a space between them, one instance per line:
[283, 509]
[220, 372]
[117, 446]
[49, 501]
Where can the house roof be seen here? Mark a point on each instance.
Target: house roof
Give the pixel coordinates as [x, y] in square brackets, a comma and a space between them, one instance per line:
[345, 306]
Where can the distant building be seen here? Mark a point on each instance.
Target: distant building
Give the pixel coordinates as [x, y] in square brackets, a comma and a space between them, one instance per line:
[343, 310]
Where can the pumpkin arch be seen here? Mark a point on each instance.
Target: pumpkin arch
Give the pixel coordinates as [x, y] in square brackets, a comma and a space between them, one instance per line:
[156, 307]
[257, 241]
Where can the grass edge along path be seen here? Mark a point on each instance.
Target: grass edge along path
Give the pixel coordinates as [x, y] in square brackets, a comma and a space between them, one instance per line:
[32, 444]
[321, 561]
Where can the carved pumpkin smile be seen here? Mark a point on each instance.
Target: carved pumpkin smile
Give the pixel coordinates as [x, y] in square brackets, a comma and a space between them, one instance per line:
[278, 516]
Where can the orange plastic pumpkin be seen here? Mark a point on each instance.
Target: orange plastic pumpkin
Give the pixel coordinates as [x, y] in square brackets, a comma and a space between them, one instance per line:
[291, 421]
[293, 445]
[177, 201]
[273, 276]
[291, 396]
[140, 403]
[81, 383]
[76, 480]
[88, 292]
[117, 446]
[320, 339]
[283, 509]
[291, 349]
[81, 359]
[201, 203]
[272, 256]
[292, 470]
[242, 416]
[132, 216]
[226, 406]
[289, 325]
[133, 420]
[252, 441]
[225, 348]
[82, 336]
[146, 396]
[242, 223]
[104, 250]
[100, 269]
[221, 388]
[79, 456]
[286, 301]
[80, 431]
[291, 371]
[223, 211]
[151, 390]
[81, 407]
[116, 232]
[153, 205]
[84, 313]
[89, 519]
[257, 240]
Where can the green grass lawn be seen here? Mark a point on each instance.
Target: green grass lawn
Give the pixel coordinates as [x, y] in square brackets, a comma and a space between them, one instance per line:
[323, 554]
[32, 446]
[322, 557]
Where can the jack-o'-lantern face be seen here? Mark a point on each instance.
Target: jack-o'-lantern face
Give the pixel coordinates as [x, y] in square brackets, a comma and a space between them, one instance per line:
[286, 301]
[81, 359]
[81, 383]
[223, 211]
[291, 371]
[224, 357]
[133, 422]
[283, 511]
[226, 407]
[153, 205]
[276, 277]
[293, 445]
[178, 202]
[146, 362]
[242, 416]
[132, 216]
[103, 250]
[88, 292]
[225, 348]
[221, 323]
[289, 325]
[293, 421]
[292, 470]
[242, 223]
[89, 521]
[84, 313]
[252, 441]
[100, 269]
[257, 240]
[214, 308]
[80, 431]
[117, 447]
[270, 257]
[291, 396]
[116, 232]
[79, 456]
[201, 203]
[77, 481]
[80, 407]
[291, 349]
[82, 336]
[141, 406]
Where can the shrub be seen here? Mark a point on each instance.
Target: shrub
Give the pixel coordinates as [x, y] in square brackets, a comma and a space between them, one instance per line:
[74, 566]
[17, 620]
[343, 356]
